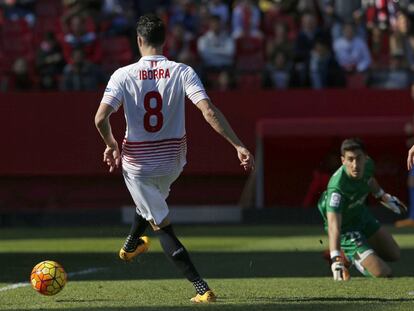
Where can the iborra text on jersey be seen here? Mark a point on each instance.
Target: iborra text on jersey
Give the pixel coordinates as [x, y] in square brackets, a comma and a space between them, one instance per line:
[153, 74]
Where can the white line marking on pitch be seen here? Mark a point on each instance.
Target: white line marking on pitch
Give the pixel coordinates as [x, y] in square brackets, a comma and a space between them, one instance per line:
[70, 274]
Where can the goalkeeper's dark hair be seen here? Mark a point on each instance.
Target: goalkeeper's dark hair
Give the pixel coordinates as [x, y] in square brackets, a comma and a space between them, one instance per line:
[352, 144]
[152, 29]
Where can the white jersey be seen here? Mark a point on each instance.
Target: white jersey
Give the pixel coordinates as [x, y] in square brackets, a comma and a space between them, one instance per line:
[152, 92]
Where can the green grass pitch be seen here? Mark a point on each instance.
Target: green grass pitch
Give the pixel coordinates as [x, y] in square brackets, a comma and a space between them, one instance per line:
[249, 267]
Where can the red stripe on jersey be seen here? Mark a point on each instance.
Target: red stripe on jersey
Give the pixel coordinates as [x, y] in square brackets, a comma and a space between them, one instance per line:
[153, 155]
[156, 161]
[152, 142]
[154, 148]
[143, 154]
[152, 162]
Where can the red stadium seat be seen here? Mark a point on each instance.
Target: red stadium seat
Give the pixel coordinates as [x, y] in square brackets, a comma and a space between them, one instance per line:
[44, 25]
[12, 29]
[250, 81]
[48, 8]
[355, 80]
[19, 47]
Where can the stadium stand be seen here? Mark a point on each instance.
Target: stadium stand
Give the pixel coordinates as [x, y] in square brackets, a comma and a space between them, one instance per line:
[385, 26]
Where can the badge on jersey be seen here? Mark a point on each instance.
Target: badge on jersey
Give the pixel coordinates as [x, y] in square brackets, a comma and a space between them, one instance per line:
[335, 200]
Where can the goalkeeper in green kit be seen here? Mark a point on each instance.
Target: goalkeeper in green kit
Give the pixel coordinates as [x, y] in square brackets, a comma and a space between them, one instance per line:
[355, 236]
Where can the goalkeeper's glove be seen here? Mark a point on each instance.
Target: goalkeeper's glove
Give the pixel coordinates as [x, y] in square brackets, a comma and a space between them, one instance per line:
[340, 272]
[393, 203]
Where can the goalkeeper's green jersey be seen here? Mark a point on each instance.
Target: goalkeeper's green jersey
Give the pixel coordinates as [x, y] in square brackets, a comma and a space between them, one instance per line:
[347, 195]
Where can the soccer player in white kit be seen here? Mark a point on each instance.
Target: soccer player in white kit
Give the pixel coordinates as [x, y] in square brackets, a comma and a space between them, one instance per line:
[152, 92]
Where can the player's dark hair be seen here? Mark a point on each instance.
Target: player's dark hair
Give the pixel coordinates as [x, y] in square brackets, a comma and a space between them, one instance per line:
[152, 29]
[352, 144]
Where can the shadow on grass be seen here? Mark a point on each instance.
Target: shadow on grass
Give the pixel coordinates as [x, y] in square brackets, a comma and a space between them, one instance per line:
[16, 267]
[18, 233]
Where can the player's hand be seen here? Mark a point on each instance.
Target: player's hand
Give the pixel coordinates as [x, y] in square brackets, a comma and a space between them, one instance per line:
[112, 157]
[394, 204]
[410, 158]
[246, 158]
[339, 271]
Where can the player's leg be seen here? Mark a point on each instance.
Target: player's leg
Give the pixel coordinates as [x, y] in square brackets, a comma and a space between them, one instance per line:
[358, 250]
[384, 245]
[135, 242]
[173, 248]
[373, 265]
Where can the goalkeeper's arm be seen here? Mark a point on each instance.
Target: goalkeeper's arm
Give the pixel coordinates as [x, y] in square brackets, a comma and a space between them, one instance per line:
[339, 271]
[389, 201]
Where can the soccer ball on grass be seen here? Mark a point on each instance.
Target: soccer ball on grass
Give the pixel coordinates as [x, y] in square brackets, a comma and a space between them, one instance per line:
[48, 277]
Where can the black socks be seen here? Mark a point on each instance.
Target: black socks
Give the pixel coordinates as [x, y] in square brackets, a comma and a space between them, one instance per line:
[138, 226]
[177, 253]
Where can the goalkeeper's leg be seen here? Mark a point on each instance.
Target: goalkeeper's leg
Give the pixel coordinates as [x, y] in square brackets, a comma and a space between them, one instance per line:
[374, 266]
[384, 245]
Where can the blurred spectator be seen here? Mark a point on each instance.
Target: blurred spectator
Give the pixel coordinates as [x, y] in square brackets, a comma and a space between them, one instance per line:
[397, 76]
[84, 8]
[406, 6]
[275, 15]
[81, 75]
[379, 45]
[401, 41]
[19, 9]
[308, 33]
[183, 12]
[219, 8]
[277, 72]
[180, 45]
[336, 13]
[225, 81]
[324, 70]
[20, 79]
[216, 48]
[246, 19]
[377, 13]
[117, 17]
[307, 6]
[279, 41]
[79, 37]
[203, 19]
[49, 61]
[351, 51]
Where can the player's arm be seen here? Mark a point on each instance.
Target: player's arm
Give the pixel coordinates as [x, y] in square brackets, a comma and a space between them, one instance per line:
[339, 271]
[410, 158]
[112, 156]
[219, 123]
[334, 231]
[389, 201]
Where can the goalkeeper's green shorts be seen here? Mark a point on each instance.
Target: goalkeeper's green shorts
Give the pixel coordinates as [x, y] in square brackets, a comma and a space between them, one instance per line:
[354, 240]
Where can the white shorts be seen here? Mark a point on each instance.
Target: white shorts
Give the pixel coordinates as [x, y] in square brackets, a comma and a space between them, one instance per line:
[149, 194]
